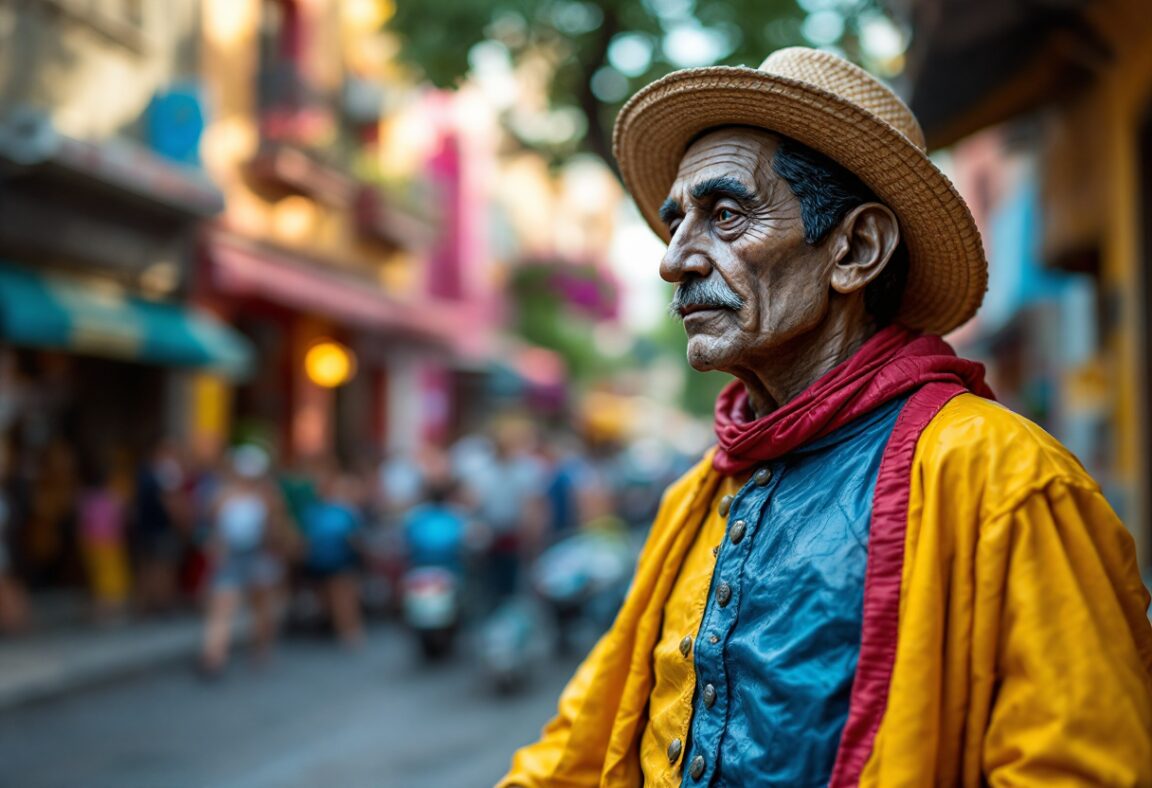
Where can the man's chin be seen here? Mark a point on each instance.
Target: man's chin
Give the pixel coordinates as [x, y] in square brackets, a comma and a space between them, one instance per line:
[704, 355]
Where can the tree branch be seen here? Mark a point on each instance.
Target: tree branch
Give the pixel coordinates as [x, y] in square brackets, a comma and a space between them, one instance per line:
[599, 137]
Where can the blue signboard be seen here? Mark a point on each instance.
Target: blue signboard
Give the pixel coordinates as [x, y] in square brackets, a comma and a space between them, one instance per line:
[175, 121]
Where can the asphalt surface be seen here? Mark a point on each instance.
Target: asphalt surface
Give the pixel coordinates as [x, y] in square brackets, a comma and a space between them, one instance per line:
[316, 716]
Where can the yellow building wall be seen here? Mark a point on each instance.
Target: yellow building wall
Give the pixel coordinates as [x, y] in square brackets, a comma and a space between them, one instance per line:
[323, 231]
[93, 68]
[1126, 97]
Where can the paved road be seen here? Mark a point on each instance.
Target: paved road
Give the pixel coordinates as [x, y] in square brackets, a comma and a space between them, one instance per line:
[316, 717]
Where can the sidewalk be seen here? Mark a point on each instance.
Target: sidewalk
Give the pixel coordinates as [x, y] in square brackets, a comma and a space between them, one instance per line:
[64, 652]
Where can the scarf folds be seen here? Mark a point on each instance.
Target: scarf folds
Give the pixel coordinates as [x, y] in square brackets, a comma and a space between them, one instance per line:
[892, 363]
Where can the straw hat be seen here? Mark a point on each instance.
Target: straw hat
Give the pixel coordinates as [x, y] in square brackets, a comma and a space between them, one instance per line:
[840, 110]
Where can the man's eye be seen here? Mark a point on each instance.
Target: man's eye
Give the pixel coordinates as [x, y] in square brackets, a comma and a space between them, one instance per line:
[725, 215]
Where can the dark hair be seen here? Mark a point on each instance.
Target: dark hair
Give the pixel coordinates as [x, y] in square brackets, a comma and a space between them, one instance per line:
[827, 192]
[439, 491]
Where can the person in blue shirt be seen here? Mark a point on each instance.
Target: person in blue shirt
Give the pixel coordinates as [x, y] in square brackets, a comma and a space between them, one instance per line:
[332, 525]
[435, 530]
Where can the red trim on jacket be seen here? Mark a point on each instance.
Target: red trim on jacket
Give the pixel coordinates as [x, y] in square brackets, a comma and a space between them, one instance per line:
[882, 582]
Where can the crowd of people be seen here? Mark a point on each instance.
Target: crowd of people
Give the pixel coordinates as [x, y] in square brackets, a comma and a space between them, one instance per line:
[238, 531]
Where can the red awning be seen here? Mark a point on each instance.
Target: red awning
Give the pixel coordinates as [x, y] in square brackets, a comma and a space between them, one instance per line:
[240, 268]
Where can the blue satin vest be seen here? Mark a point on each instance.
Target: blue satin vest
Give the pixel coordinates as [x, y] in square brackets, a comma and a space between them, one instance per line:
[778, 643]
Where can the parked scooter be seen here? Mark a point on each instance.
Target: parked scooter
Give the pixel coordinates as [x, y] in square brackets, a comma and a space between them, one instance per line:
[583, 578]
[512, 642]
[432, 608]
[577, 586]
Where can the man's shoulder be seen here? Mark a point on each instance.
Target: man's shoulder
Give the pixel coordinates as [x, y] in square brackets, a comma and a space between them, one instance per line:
[979, 445]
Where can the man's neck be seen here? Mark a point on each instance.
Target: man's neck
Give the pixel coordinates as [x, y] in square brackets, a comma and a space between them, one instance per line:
[793, 367]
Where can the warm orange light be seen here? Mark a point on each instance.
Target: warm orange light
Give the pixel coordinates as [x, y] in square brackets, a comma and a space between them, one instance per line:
[228, 22]
[329, 364]
[368, 15]
[294, 218]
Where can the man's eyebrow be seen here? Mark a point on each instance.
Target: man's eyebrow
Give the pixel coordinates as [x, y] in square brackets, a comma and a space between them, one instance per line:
[721, 185]
[724, 185]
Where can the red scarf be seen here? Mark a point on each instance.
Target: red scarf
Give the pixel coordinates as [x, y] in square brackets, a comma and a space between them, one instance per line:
[892, 363]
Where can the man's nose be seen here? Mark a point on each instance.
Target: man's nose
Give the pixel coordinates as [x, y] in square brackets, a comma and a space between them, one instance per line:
[685, 254]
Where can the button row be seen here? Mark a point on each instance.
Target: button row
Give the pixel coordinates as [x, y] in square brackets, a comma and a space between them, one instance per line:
[723, 596]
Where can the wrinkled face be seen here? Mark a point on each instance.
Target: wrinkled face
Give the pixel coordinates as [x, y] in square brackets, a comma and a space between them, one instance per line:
[747, 280]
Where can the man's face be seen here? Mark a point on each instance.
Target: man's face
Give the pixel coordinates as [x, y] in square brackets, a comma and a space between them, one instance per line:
[747, 281]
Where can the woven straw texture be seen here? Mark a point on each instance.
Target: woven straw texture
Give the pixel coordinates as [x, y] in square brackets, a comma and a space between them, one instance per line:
[840, 110]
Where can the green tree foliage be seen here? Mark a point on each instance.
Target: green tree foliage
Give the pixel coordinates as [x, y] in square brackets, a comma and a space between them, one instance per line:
[600, 52]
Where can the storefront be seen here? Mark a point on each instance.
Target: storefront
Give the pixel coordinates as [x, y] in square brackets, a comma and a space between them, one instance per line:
[101, 351]
[397, 388]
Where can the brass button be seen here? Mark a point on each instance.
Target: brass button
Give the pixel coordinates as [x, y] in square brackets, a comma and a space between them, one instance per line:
[674, 750]
[713, 639]
[725, 505]
[696, 769]
[686, 645]
[737, 531]
[709, 695]
[762, 477]
[723, 594]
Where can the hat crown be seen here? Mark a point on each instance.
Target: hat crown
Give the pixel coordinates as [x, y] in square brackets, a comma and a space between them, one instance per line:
[836, 75]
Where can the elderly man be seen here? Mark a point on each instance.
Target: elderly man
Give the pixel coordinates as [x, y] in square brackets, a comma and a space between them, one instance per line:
[879, 576]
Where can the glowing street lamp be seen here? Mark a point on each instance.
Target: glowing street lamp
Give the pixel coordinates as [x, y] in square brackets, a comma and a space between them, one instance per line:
[329, 364]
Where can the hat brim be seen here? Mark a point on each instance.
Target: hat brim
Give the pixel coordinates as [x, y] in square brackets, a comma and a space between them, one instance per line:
[948, 273]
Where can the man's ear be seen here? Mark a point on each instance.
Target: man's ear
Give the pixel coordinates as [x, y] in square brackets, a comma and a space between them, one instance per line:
[867, 237]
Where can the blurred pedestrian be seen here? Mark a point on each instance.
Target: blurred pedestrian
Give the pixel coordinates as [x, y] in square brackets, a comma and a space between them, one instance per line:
[244, 549]
[332, 525]
[399, 479]
[205, 476]
[578, 486]
[49, 531]
[154, 532]
[565, 472]
[102, 512]
[508, 493]
[404, 475]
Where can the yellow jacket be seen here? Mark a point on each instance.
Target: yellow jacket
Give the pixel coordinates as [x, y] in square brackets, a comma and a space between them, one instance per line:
[1023, 654]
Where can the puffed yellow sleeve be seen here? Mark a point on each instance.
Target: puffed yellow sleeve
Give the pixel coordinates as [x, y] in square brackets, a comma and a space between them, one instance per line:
[1073, 705]
[536, 765]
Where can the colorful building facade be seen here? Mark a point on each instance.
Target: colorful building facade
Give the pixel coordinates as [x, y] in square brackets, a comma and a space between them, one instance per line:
[321, 243]
[1049, 113]
[101, 198]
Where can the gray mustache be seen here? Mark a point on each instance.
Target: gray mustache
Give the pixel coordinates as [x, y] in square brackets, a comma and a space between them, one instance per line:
[709, 292]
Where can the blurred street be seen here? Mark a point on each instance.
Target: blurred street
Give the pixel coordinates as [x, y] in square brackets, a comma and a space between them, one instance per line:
[315, 716]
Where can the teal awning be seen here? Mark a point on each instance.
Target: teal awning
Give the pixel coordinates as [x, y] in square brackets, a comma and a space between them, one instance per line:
[37, 310]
